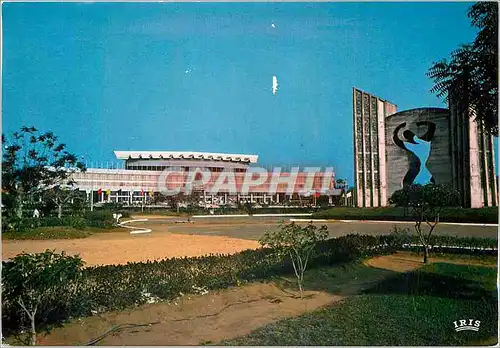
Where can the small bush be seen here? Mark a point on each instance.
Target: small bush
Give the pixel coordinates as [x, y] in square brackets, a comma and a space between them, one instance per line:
[70, 221]
[99, 218]
[297, 242]
[40, 287]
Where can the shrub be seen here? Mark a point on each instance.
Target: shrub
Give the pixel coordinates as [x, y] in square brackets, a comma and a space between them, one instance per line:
[40, 286]
[103, 219]
[20, 224]
[70, 221]
[296, 242]
[425, 204]
[99, 218]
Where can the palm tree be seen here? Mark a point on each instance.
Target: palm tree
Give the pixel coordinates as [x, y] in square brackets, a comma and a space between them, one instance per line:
[469, 80]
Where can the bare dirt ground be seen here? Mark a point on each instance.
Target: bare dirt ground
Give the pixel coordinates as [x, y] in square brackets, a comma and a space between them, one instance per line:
[122, 247]
[193, 320]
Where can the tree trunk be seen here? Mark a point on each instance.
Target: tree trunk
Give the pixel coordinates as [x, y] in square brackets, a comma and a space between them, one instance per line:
[19, 205]
[300, 287]
[301, 281]
[33, 330]
[426, 254]
[59, 211]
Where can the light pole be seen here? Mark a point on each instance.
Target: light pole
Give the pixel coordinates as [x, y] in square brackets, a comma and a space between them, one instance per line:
[92, 198]
[346, 187]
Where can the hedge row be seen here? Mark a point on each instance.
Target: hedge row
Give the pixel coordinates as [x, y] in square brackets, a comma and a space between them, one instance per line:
[475, 215]
[115, 287]
[445, 244]
[97, 218]
[223, 210]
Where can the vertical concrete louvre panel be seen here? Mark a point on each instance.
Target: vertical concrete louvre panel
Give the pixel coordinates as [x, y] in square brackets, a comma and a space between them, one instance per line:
[356, 148]
[491, 167]
[462, 158]
[382, 169]
[474, 170]
[486, 153]
[359, 147]
[366, 151]
[369, 113]
[374, 154]
[484, 166]
[453, 149]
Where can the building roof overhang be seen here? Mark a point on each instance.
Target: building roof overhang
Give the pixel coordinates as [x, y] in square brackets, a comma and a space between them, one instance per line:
[125, 155]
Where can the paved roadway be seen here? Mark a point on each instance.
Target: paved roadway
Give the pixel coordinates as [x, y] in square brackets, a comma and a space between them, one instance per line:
[254, 227]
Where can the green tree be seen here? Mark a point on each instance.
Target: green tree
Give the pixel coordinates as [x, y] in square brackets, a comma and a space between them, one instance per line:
[61, 195]
[425, 204]
[33, 281]
[297, 242]
[32, 163]
[468, 81]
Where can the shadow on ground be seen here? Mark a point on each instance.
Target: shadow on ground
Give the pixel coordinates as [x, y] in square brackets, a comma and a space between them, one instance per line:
[386, 307]
[419, 283]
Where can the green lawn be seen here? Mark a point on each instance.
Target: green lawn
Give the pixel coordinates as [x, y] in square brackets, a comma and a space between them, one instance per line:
[416, 308]
[57, 232]
[475, 215]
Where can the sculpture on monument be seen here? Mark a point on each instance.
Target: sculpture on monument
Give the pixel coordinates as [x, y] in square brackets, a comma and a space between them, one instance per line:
[419, 148]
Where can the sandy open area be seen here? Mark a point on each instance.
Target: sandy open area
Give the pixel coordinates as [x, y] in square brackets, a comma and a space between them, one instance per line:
[122, 247]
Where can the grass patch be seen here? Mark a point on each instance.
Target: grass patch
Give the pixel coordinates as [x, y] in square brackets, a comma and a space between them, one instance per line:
[159, 213]
[416, 308]
[57, 232]
[481, 259]
[345, 279]
[475, 215]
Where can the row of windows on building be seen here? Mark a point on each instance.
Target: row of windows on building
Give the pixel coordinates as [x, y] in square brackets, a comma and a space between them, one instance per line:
[186, 169]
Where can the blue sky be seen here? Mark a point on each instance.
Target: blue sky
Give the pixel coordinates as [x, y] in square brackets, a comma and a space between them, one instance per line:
[198, 76]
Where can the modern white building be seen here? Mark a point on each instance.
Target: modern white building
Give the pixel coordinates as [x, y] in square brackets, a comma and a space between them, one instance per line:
[147, 173]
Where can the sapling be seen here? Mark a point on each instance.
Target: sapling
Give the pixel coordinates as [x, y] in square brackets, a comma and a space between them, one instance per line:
[32, 280]
[298, 243]
[425, 204]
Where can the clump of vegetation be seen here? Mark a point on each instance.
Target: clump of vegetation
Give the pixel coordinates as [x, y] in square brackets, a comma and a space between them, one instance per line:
[38, 189]
[297, 242]
[392, 213]
[425, 204]
[53, 232]
[36, 165]
[468, 81]
[41, 285]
